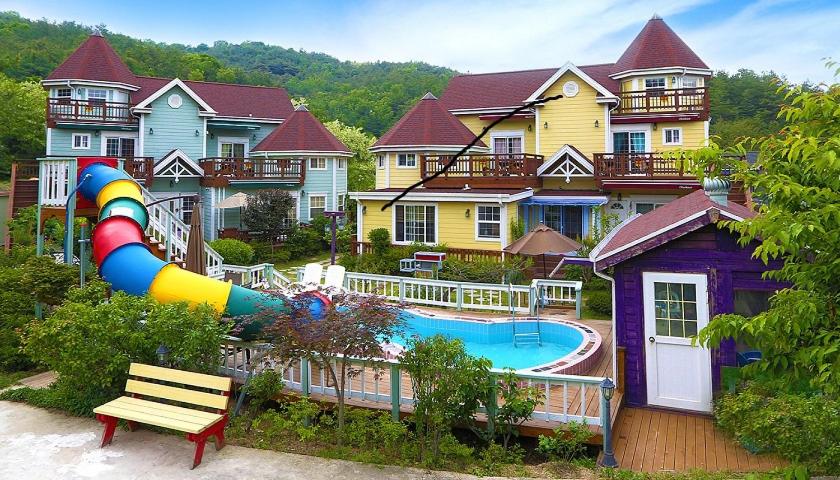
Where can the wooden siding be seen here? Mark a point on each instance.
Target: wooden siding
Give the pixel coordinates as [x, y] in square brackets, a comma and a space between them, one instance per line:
[61, 143]
[476, 124]
[693, 135]
[707, 251]
[571, 120]
[245, 135]
[174, 127]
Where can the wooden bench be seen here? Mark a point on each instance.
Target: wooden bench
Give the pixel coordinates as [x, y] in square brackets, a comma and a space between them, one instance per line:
[144, 405]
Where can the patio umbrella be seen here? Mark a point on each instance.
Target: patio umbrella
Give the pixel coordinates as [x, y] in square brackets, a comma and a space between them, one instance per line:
[543, 240]
[195, 243]
[237, 200]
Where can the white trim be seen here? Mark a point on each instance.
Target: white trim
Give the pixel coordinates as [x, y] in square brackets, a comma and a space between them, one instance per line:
[661, 71]
[82, 82]
[387, 170]
[407, 167]
[296, 195]
[176, 82]
[706, 133]
[520, 134]
[104, 136]
[339, 163]
[660, 231]
[415, 148]
[665, 143]
[607, 130]
[566, 150]
[161, 164]
[462, 196]
[204, 140]
[537, 131]
[302, 153]
[501, 222]
[317, 169]
[249, 119]
[49, 141]
[570, 67]
[473, 111]
[415, 204]
[141, 138]
[221, 140]
[646, 128]
[360, 220]
[79, 134]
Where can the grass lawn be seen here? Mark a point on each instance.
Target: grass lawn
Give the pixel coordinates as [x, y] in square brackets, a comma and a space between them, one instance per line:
[10, 378]
[299, 262]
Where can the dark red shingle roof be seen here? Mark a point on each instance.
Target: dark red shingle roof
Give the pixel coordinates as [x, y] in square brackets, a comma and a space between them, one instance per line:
[428, 123]
[301, 132]
[657, 46]
[94, 60]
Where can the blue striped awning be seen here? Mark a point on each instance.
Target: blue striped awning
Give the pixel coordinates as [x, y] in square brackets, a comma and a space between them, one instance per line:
[565, 200]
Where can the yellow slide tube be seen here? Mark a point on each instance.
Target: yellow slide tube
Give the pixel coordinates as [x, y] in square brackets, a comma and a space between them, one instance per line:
[119, 189]
[174, 284]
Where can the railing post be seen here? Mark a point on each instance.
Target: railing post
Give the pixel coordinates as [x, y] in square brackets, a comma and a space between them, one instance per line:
[304, 377]
[395, 392]
[402, 290]
[578, 301]
[459, 297]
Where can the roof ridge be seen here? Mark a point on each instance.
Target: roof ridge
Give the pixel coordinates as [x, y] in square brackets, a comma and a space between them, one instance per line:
[209, 82]
[509, 71]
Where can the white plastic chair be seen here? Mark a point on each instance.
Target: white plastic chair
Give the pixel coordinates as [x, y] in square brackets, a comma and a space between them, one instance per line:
[312, 274]
[335, 277]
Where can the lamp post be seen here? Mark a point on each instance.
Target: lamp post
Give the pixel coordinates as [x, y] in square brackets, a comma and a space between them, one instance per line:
[162, 354]
[333, 216]
[607, 390]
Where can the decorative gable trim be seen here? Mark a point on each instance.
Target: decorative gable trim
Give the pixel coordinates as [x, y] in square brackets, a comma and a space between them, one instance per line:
[176, 82]
[567, 162]
[177, 164]
[570, 67]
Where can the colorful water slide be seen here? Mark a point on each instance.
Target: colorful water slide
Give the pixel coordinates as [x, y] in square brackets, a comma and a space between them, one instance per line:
[128, 264]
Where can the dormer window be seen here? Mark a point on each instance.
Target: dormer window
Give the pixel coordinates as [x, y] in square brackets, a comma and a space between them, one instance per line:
[657, 83]
[63, 92]
[97, 95]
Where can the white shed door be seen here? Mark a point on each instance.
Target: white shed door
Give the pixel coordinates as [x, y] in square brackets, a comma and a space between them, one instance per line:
[676, 307]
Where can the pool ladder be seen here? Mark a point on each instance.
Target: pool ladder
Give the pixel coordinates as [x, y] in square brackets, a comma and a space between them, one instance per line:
[526, 338]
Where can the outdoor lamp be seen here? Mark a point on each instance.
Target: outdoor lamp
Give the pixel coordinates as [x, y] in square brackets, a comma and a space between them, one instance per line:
[364, 209]
[151, 131]
[467, 213]
[607, 390]
[162, 353]
[597, 124]
[96, 133]
[545, 125]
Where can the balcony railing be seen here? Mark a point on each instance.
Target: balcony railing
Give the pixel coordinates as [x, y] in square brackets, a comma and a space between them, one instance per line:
[220, 171]
[89, 111]
[140, 168]
[496, 170]
[694, 101]
[613, 166]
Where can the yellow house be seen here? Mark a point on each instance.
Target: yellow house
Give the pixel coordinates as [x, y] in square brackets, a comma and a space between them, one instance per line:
[597, 150]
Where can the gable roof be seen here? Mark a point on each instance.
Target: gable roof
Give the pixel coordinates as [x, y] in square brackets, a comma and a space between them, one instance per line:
[657, 46]
[177, 82]
[94, 60]
[302, 132]
[653, 227]
[428, 123]
[566, 68]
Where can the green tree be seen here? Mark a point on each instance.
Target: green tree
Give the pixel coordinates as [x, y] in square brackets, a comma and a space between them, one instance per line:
[22, 121]
[797, 179]
[361, 172]
[269, 214]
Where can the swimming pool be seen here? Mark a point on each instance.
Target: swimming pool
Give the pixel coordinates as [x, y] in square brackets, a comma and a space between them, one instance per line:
[562, 343]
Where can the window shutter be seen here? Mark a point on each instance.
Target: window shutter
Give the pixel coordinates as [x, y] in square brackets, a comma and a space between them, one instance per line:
[430, 225]
[400, 216]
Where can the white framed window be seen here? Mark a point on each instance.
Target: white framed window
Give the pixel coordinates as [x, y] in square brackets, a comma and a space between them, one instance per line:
[317, 163]
[645, 207]
[689, 82]
[406, 160]
[415, 223]
[655, 83]
[317, 205]
[380, 161]
[63, 92]
[232, 148]
[97, 95]
[342, 201]
[508, 143]
[672, 136]
[81, 141]
[121, 147]
[630, 142]
[488, 222]
[341, 163]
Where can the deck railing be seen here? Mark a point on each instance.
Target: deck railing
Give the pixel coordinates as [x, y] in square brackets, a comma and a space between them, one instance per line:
[647, 164]
[254, 168]
[140, 168]
[89, 111]
[384, 384]
[664, 101]
[517, 170]
[55, 176]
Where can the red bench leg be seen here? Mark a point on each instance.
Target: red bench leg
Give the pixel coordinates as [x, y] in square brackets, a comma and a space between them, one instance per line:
[220, 437]
[132, 426]
[199, 451]
[110, 427]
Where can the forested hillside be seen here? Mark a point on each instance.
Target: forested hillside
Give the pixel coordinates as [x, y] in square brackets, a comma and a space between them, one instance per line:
[371, 96]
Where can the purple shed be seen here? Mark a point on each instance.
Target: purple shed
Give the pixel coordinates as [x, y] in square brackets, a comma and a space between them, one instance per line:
[673, 270]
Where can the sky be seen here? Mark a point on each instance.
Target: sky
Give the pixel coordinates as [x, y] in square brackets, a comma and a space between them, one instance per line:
[788, 37]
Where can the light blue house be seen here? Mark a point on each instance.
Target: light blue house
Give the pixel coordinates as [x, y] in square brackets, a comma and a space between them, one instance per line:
[185, 139]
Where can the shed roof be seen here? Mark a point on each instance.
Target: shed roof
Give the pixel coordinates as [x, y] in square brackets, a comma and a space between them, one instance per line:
[302, 132]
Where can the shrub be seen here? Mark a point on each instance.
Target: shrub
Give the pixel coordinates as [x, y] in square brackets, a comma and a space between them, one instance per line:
[380, 240]
[269, 214]
[263, 387]
[600, 301]
[801, 427]
[90, 345]
[294, 421]
[565, 445]
[304, 241]
[485, 270]
[233, 251]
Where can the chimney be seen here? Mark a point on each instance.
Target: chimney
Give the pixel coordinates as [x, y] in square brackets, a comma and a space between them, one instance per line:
[717, 189]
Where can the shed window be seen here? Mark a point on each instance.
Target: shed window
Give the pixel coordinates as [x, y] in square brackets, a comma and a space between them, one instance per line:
[676, 309]
[749, 303]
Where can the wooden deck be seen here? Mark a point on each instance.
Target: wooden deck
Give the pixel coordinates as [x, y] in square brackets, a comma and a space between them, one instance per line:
[653, 440]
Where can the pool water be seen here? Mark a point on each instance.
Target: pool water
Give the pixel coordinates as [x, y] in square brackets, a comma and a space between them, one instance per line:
[495, 340]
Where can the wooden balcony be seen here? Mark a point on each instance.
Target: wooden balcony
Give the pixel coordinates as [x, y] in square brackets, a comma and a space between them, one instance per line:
[140, 168]
[662, 105]
[221, 171]
[640, 170]
[495, 170]
[65, 110]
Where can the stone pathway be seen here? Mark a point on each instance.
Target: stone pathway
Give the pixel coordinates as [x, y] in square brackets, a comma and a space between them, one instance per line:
[37, 444]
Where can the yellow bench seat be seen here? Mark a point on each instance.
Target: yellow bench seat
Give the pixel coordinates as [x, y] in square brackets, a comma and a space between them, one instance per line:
[159, 414]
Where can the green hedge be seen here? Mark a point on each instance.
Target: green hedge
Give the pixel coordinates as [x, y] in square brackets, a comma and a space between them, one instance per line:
[233, 251]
